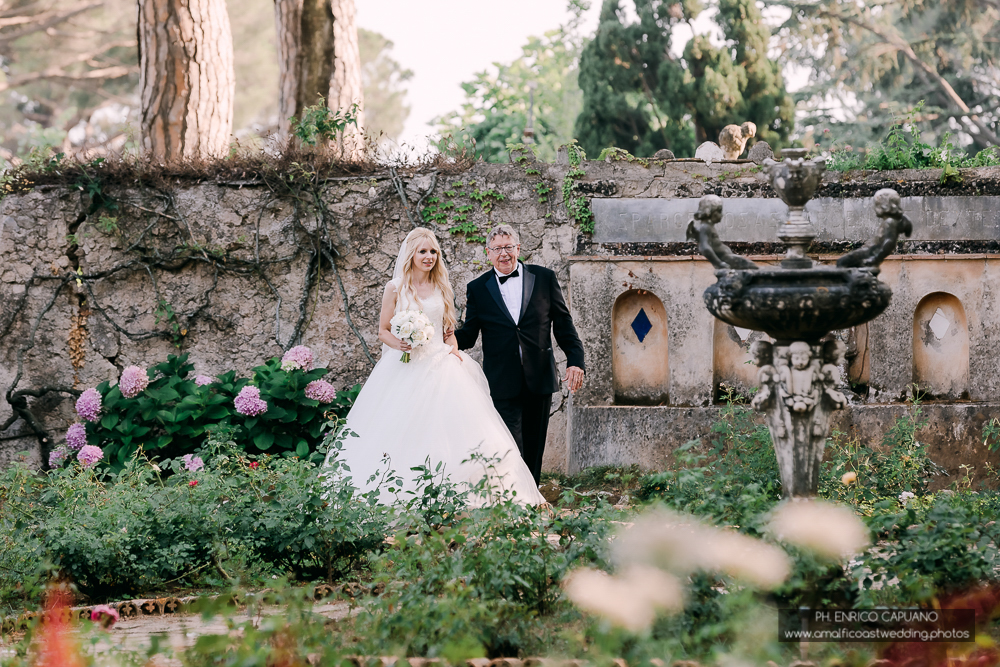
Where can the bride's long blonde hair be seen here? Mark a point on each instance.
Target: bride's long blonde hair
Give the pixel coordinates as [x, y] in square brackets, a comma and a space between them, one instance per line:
[439, 275]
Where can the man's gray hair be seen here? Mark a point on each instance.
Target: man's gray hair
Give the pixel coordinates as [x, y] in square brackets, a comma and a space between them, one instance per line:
[503, 230]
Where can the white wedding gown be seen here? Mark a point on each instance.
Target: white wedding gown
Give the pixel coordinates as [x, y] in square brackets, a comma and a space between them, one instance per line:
[434, 407]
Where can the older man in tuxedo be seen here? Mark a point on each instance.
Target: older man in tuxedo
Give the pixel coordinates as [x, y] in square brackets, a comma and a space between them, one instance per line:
[518, 307]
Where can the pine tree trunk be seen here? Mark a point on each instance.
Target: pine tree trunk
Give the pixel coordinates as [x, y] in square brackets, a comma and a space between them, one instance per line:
[317, 56]
[186, 78]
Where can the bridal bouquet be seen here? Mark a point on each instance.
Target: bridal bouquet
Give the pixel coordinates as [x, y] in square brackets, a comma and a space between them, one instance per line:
[413, 327]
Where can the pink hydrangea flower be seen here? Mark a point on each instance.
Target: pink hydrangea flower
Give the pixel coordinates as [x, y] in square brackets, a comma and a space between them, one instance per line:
[249, 403]
[57, 456]
[193, 463]
[321, 390]
[202, 380]
[89, 455]
[104, 615]
[88, 405]
[76, 436]
[299, 357]
[133, 381]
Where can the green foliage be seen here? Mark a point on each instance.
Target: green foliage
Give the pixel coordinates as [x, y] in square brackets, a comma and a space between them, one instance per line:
[940, 546]
[140, 528]
[734, 481]
[903, 148]
[899, 463]
[638, 97]
[469, 581]
[577, 206]
[319, 123]
[174, 416]
[495, 111]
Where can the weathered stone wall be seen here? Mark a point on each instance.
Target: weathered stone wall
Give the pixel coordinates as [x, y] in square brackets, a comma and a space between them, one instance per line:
[232, 262]
[237, 266]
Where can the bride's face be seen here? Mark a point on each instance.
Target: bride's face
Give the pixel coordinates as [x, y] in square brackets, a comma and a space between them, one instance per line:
[425, 257]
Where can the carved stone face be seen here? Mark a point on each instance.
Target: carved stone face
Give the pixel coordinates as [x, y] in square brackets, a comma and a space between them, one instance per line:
[800, 355]
[710, 209]
[887, 202]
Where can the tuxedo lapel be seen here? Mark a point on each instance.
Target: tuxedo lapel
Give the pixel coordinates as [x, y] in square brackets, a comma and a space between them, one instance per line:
[527, 287]
[494, 289]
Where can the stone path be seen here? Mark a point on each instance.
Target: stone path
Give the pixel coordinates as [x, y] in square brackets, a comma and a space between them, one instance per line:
[131, 636]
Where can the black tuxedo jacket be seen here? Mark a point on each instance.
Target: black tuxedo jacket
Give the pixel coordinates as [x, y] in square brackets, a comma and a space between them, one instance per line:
[543, 312]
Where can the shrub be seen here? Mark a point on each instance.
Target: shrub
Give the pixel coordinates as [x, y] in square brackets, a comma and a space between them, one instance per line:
[175, 412]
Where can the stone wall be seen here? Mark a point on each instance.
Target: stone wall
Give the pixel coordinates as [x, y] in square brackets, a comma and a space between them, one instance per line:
[235, 265]
[233, 273]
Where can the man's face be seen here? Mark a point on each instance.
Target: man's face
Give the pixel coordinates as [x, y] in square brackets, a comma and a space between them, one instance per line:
[503, 253]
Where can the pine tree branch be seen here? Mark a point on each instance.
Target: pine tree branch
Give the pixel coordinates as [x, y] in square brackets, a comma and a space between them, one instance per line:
[40, 22]
[58, 72]
[906, 49]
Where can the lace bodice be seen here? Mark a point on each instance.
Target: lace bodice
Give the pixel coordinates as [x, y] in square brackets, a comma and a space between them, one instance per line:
[433, 308]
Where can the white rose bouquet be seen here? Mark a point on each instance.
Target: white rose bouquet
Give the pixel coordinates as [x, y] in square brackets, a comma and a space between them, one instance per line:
[413, 327]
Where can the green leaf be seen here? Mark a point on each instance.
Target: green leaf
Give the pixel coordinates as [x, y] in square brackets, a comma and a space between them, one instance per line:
[302, 449]
[109, 421]
[264, 440]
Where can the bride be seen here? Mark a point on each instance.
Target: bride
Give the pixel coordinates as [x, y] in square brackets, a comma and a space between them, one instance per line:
[437, 405]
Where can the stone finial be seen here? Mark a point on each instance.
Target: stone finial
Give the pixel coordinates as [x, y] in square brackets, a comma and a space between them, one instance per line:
[733, 139]
[709, 152]
[664, 154]
[759, 152]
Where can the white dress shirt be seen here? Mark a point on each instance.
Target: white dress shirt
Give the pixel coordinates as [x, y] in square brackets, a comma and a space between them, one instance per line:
[510, 290]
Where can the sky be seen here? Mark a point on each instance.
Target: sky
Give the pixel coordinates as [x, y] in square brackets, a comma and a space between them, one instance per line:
[445, 42]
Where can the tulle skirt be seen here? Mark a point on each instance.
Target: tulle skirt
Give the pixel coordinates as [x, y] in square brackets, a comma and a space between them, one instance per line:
[434, 410]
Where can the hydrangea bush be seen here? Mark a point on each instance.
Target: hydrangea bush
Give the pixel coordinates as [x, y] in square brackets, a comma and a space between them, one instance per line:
[168, 411]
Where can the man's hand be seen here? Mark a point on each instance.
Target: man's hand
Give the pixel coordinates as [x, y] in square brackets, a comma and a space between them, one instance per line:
[574, 378]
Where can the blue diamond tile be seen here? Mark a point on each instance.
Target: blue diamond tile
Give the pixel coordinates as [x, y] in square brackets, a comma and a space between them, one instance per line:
[641, 325]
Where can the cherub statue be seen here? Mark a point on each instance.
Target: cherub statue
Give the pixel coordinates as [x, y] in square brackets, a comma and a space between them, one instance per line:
[767, 376]
[799, 381]
[888, 207]
[833, 356]
[702, 230]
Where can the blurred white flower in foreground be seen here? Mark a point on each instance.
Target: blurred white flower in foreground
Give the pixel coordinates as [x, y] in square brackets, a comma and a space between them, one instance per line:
[631, 599]
[682, 545]
[828, 530]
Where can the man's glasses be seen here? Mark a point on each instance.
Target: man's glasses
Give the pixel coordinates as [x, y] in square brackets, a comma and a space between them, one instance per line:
[509, 249]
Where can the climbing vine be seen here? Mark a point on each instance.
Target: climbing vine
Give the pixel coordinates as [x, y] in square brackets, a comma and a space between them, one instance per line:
[577, 206]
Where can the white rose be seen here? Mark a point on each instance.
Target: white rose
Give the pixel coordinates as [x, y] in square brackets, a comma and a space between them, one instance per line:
[406, 330]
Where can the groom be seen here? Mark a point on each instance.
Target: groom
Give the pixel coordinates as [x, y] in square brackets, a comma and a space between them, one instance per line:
[518, 307]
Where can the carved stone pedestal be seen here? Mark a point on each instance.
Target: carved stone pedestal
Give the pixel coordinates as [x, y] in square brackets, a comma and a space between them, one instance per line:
[799, 390]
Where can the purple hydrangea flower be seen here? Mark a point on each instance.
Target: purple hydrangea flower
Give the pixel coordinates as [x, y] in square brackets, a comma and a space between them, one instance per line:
[89, 455]
[248, 402]
[202, 380]
[193, 463]
[76, 436]
[57, 456]
[133, 381]
[88, 405]
[299, 357]
[321, 390]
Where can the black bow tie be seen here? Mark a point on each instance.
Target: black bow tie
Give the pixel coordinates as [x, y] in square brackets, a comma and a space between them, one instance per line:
[512, 274]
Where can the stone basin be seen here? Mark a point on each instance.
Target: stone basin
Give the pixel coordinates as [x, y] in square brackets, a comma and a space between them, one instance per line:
[797, 304]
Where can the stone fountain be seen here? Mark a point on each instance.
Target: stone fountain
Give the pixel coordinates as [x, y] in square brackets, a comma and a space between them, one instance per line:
[797, 304]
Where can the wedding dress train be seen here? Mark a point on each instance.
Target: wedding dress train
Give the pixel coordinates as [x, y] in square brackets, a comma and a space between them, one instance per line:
[435, 407]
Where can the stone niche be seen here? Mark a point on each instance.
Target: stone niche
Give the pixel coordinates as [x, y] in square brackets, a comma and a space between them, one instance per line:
[734, 374]
[941, 347]
[640, 359]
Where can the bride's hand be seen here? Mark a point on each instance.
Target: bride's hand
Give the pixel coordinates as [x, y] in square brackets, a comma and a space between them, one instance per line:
[454, 350]
[404, 346]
